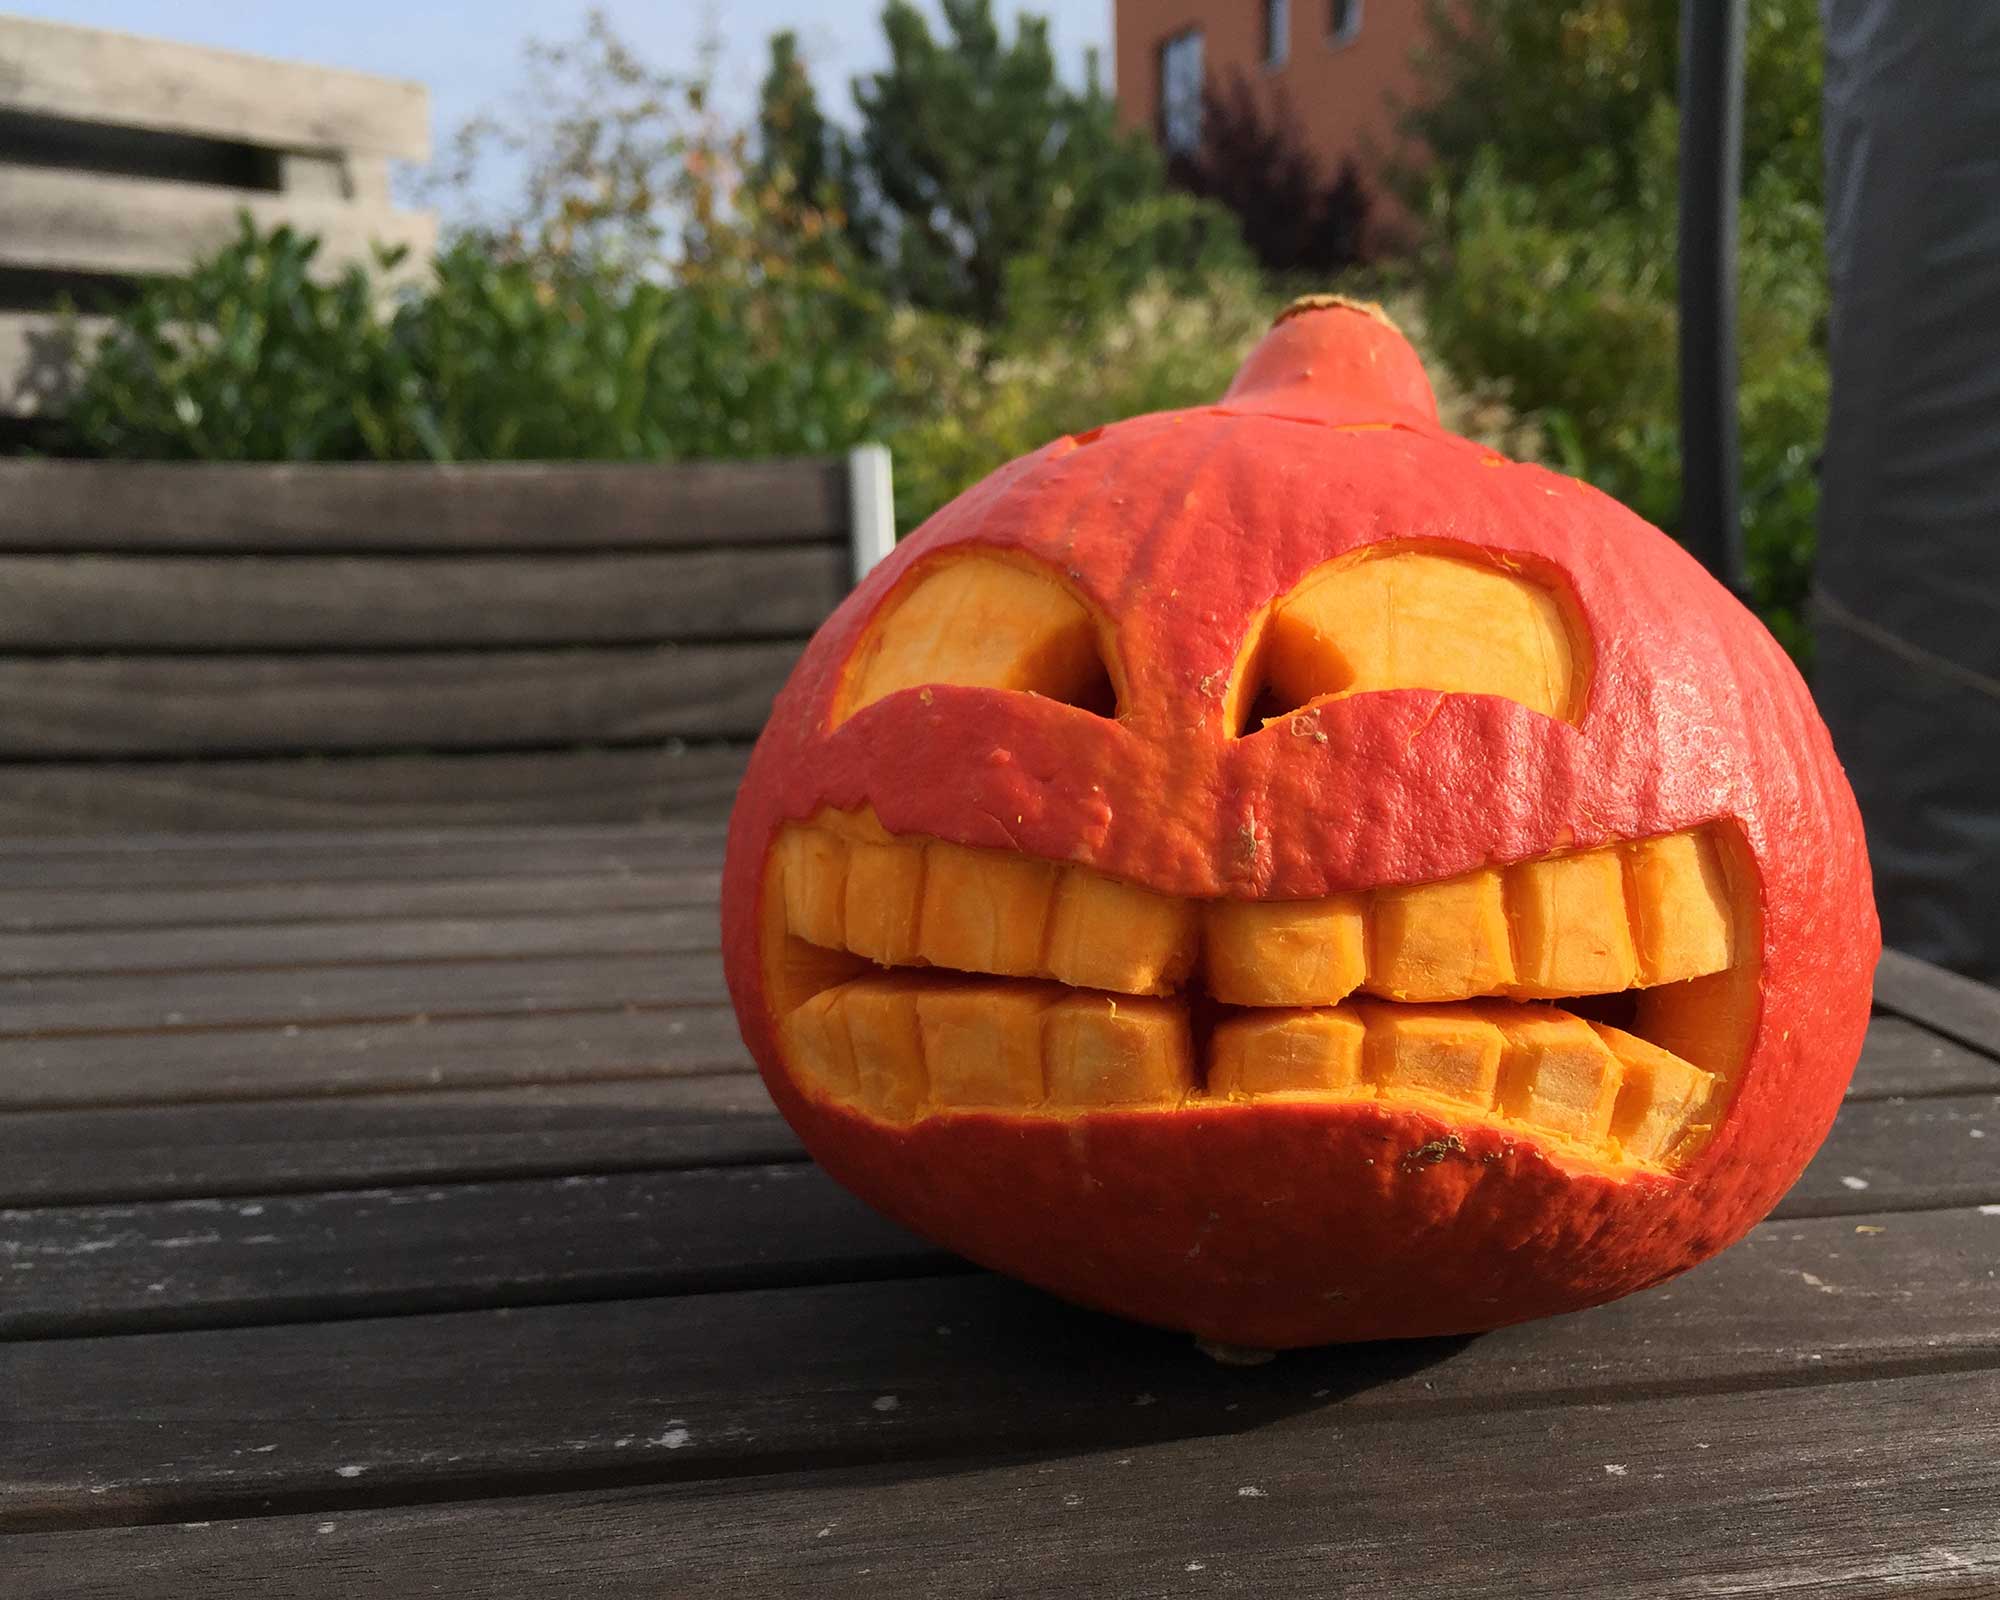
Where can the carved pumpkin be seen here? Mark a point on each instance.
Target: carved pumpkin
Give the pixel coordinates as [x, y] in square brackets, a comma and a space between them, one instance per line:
[1282, 871]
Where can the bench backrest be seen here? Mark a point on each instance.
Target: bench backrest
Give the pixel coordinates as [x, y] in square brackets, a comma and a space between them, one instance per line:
[249, 646]
[128, 156]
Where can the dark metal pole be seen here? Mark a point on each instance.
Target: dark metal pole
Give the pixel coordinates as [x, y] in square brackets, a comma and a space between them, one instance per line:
[1711, 93]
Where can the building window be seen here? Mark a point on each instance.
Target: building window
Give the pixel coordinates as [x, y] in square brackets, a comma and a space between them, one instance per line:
[1180, 93]
[1277, 31]
[1343, 20]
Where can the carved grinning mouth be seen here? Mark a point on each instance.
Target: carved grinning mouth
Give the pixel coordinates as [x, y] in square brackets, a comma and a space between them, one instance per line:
[1598, 1001]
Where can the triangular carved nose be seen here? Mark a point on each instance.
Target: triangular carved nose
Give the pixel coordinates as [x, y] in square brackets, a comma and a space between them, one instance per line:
[1340, 359]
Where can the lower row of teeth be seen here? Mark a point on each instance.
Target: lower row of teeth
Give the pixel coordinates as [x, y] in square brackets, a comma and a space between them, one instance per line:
[907, 1046]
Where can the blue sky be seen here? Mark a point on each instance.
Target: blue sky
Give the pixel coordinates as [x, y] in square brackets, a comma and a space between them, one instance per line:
[468, 54]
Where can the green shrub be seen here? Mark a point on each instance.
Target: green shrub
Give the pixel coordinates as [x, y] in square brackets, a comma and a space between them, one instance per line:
[247, 357]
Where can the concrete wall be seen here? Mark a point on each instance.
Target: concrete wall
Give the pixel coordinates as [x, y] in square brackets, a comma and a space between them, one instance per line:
[121, 157]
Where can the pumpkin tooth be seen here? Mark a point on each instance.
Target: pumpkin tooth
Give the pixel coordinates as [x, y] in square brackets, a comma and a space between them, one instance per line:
[1679, 901]
[817, 1043]
[982, 1043]
[1658, 1099]
[1284, 952]
[1101, 1051]
[1106, 934]
[984, 911]
[1558, 1075]
[1440, 941]
[812, 863]
[884, 900]
[882, 1030]
[1447, 1052]
[1571, 932]
[1279, 1052]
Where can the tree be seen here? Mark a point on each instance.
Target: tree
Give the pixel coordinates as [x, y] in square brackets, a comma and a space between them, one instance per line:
[1563, 94]
[1293, 218]
[1551, 130]
[800, 153]
[975, 156]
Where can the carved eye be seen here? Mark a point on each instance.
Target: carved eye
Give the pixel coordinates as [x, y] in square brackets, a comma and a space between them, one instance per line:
[1414, 617]
[983, 621]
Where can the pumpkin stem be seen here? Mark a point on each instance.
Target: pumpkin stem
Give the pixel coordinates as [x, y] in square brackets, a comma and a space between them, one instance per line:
[1332, 357]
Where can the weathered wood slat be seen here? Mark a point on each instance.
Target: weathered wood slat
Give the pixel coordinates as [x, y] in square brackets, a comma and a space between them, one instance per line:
[403, 1054]
[178, 1424]
[89, 222]
[566, 507]
[295, 850]
[675, 783]
[296, 944]
[1903, 1059]
[268, 1147]
[144, 705]
[307, 996]
[95, 602]
[1942, 1001]
[91, 75]
[76, 922]
[1845, 1491]
[1904, 1154]
[362, 1252]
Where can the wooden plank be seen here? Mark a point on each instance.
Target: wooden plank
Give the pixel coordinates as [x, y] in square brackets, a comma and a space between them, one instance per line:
[325, 508]
[78, 922]
[308, 996]
[367, 1252]
[1904, 1155]
[687, 852]
[88, 603]
[93, 75]
[288, 1146]
[1958, 1007]
[297, 704]
[297, 944]
[198, 1423]
[1902, 1059]
[676, 782]
[1858, 1491]
[92, 222]
[37, 369]
[397, 1056]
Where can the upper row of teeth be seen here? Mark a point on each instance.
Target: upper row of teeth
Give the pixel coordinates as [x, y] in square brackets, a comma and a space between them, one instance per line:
[1598, 921]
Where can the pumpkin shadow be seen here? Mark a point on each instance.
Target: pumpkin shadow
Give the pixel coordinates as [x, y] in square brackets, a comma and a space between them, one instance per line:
[1026, 1374]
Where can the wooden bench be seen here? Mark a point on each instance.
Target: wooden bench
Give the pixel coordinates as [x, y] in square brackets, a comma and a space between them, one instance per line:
[128, 156]
[251, 646]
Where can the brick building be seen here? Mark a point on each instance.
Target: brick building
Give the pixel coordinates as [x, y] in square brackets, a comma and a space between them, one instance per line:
[1339, 66]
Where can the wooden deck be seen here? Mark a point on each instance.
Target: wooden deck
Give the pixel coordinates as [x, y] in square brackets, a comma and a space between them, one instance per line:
[400, 1209]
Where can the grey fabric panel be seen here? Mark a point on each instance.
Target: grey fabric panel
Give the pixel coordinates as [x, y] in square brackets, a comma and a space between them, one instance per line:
[1908, 625]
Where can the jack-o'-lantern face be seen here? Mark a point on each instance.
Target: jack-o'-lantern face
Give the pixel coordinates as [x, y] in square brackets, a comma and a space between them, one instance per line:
[1283, 871]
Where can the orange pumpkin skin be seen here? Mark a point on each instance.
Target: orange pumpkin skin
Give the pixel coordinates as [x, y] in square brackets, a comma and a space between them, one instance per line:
[1288, 1223]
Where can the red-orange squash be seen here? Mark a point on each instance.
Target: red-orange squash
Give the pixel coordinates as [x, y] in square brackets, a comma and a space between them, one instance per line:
[1282, 871]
